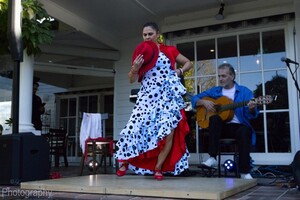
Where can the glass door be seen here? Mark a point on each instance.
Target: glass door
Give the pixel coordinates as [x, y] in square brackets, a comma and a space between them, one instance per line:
[67, 120]
[87, 104]
[70, 113]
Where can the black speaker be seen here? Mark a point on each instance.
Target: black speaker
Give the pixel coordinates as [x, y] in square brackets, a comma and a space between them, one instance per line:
[10, 159]
[24, 157]
[296, 169]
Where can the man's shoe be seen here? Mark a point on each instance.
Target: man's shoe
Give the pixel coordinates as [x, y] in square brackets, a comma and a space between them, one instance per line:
[246, 176]
[211, 162]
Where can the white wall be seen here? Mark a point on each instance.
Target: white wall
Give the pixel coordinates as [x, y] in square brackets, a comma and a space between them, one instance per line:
[122, 105]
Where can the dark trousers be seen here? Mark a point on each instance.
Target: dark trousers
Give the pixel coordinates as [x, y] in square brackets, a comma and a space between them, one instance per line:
[218, 129]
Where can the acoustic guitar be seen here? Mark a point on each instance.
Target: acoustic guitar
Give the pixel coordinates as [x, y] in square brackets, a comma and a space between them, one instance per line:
[225, 108]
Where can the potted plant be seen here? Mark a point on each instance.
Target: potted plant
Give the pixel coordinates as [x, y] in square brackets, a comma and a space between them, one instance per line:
[36, 27]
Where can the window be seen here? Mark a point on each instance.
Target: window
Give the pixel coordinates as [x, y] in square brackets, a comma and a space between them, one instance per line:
[256, 59]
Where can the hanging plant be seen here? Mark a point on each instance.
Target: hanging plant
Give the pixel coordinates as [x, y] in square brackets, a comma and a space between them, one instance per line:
[36, 27]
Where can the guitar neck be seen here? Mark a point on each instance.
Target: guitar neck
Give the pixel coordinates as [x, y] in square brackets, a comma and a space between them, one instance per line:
[233, 105]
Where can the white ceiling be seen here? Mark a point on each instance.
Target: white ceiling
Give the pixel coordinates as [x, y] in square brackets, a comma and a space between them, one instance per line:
[111, 21]
[100, 26]
[116, 20]
[104, 24]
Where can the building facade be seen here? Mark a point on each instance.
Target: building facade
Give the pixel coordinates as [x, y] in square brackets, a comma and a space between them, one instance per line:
[254, 36]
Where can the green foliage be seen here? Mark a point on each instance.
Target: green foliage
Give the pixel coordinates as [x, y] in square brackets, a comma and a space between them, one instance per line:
[9, 121]
[34, 33]
[3, 27]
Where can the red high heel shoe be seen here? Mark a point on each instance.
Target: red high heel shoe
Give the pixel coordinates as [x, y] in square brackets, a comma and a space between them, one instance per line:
[122, 172]
[158, 175]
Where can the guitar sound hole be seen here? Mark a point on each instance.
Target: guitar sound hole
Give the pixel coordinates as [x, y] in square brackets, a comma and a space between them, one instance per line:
[218, 108]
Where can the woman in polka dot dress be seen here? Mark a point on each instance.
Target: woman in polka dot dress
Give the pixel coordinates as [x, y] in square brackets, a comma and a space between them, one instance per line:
[153, 140]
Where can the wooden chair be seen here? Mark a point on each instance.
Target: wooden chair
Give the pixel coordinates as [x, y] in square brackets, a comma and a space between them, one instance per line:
[58, 145]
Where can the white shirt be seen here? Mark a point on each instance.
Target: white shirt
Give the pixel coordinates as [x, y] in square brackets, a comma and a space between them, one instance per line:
[230, 94]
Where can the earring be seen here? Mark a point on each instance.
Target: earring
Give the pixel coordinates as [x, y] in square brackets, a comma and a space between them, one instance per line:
[160, 39]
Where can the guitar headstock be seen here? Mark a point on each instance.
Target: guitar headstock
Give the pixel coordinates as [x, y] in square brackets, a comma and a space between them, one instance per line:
[265, 99]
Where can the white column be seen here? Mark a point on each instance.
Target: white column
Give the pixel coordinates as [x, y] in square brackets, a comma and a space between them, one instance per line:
[25, 97]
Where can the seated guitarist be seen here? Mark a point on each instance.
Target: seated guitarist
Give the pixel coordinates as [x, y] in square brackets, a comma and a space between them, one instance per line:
[238, 127]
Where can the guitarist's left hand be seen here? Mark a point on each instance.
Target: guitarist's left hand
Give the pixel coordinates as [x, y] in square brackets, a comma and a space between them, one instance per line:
[251, 105]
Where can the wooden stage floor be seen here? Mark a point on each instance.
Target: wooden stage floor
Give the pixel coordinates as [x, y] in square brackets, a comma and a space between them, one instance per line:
[134, 185]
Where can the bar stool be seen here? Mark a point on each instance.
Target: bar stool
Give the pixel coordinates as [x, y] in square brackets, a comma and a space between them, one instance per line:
[93, 141]
[102, 147]
[225, 145]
